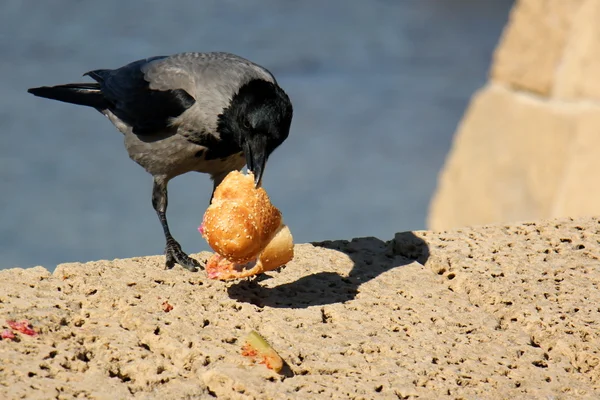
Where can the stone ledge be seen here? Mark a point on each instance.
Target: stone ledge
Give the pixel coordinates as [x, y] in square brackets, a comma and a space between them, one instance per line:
[485, 312]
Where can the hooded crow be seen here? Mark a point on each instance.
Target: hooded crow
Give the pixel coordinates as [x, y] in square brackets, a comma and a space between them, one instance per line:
[203, 112]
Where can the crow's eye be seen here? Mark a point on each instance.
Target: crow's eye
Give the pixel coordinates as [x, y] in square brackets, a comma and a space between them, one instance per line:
[246, 124]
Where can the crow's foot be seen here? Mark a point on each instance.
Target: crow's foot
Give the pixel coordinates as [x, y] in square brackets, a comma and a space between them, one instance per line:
[174, 254]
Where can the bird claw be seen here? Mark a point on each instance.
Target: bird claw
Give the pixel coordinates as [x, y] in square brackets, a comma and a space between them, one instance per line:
[174, 254]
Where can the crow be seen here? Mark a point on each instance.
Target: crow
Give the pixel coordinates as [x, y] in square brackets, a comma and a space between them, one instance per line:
[205, 112]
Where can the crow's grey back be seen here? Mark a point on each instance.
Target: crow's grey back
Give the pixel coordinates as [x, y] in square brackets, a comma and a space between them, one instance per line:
[211, 78]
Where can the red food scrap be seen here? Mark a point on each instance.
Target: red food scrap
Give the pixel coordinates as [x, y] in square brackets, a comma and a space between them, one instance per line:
[7, 334]
[267, 361]
[248, 351]
[166, 306]
[21, 326]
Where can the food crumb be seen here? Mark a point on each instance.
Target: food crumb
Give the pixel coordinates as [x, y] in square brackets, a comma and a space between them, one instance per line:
[21, 326]
[7, 334]
[256, 346]
[166, 306]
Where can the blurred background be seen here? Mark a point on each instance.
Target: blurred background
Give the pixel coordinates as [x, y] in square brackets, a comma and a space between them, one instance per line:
[378, 89]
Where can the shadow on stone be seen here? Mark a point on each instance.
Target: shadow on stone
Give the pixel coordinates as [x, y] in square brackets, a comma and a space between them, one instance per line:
[371, 257]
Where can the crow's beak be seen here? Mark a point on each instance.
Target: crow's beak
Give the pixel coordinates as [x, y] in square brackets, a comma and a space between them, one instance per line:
[256, 158]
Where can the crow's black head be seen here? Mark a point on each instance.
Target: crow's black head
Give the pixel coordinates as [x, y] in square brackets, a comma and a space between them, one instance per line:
[258, 120]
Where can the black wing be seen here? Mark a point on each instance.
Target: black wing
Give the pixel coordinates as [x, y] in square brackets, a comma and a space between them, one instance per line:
[130, 98]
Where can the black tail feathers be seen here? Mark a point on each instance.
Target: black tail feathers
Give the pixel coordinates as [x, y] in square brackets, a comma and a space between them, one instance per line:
[85, 94]
[98, 75]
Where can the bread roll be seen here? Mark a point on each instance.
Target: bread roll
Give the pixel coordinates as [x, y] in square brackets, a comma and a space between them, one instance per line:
[245, 230]
[241, 220]
[279, 251]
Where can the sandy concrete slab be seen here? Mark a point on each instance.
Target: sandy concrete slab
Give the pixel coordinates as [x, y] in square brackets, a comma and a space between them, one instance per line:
[490, 313]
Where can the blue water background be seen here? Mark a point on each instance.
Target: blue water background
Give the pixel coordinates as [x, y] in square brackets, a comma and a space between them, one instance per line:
[378, 89]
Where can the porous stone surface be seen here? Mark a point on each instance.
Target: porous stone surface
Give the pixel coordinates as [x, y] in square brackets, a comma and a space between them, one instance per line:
[527, 145]
[534, 42]
[489, 312]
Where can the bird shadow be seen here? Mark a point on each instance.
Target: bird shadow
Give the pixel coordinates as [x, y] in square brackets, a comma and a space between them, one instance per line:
[370, 256]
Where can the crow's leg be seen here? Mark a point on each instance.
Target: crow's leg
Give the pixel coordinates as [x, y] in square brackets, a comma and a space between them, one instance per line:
[173, 251]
